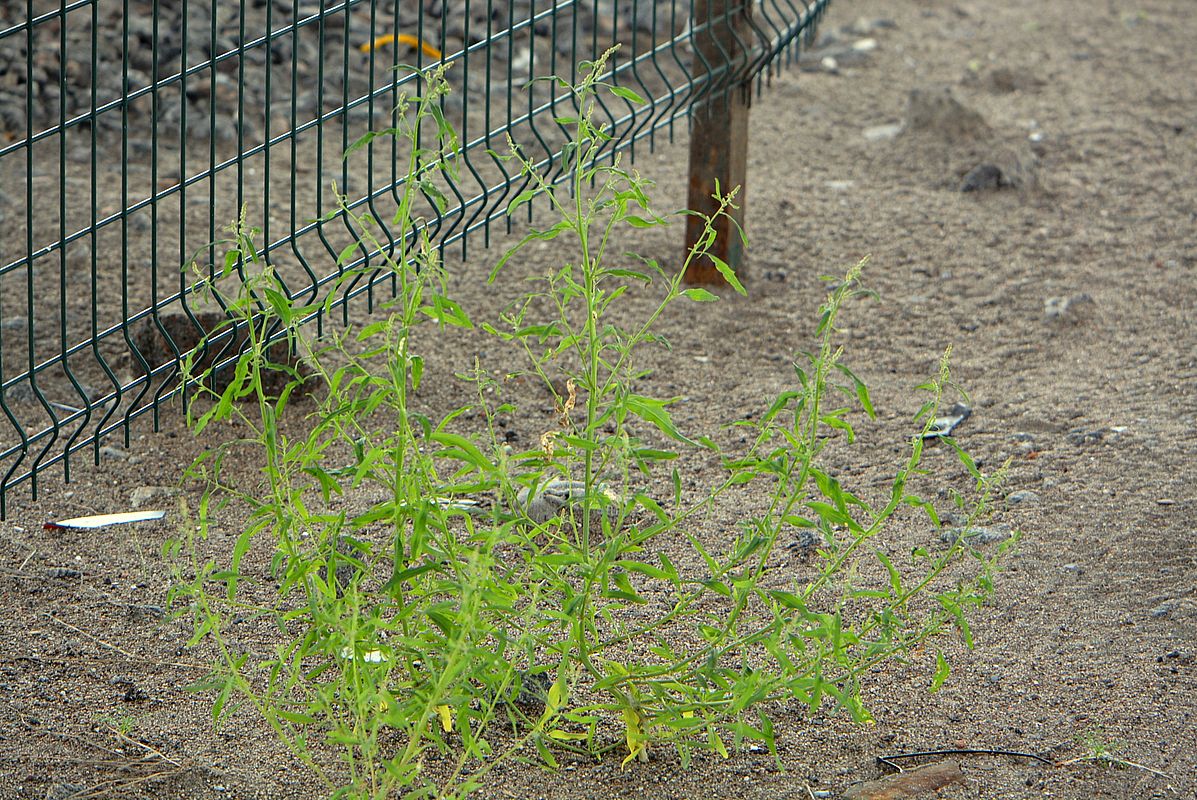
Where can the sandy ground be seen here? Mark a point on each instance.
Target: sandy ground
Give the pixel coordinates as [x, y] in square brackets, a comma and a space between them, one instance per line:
[1070, 299]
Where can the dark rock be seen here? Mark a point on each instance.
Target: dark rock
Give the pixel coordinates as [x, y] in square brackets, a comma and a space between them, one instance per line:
[134, 694]
[167, 339]
[143, 613]
[1006, 80]
[1006, 168]
[984, 177]
[533, 692]
[806, 541]
[1081, 437]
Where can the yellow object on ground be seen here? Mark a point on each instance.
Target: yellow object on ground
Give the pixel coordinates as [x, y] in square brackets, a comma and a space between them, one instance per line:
[403, 38]
[446, 715]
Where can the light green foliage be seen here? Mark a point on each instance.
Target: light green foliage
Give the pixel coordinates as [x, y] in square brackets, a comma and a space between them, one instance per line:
[428, 623]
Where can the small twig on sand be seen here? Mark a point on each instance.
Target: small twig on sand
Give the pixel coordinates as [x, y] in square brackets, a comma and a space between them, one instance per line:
[1100, 758]
[148, 748]
[1106, 758]
[125, 653]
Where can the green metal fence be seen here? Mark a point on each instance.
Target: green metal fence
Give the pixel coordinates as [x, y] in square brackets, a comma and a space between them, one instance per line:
[133, 131]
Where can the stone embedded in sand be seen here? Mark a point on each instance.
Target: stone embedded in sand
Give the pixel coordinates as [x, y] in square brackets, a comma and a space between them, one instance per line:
[937, 112]
[881, 133]
[944, 425]
[1006, 168]
[549, 499]
[162, 341]
[975, 535]
[144, 494]
[984, 177]
[1005, 80]
[1165, 608]
[1074, 309]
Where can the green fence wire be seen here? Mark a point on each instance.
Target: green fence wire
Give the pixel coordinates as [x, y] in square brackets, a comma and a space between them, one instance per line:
[133, 131]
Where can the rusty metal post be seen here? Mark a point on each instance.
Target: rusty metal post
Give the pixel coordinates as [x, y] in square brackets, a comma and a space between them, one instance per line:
[719, 136]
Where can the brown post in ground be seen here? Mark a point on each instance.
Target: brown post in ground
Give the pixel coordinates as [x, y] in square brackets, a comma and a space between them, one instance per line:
[719, 136]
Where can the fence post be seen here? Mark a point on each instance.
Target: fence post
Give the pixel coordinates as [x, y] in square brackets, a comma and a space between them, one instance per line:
[719, 133]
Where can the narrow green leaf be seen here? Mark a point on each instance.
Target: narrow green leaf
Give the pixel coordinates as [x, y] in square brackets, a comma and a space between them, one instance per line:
[942, 670]
[520, 199]
[700, 295]
[644, 569]
[832, 421]
[654, 412]
[862, 391]
[964, 457]
[650, 454]
[295, 718]
[631, 274]
[627, 94]
[788, 599]
[223, 697]
[417, 371]
[346, 254]
[461, 448]
[544, 752]
[895, 577]
[728, 274]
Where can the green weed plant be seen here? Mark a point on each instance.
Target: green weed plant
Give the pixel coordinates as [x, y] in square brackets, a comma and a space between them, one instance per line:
[407, 645]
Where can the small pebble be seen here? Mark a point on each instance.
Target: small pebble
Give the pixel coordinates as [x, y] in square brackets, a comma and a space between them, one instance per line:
[144, 494]
[983, 178]
[881, 133]
[1165, 608]
[1074, 308]
[977, 535]
[1022, 497]
[1081, 437]
[146, 612]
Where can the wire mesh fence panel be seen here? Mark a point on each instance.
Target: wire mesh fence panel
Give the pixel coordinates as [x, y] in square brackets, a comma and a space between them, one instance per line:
[132, 132]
